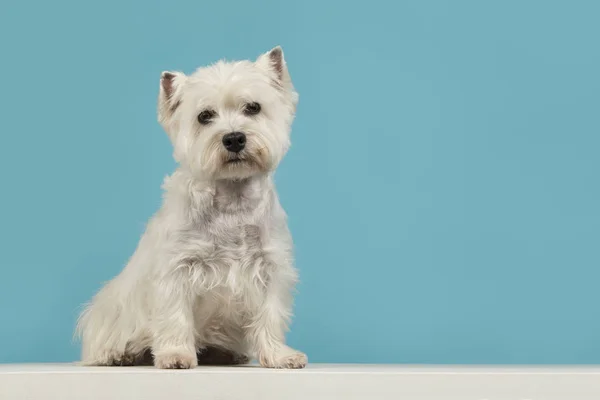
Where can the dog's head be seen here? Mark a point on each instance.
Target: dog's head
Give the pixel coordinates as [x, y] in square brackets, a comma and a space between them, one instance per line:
[230, 120]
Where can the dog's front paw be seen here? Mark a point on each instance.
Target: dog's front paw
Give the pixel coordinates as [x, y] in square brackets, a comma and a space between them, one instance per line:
[287, 359]
[176, 359]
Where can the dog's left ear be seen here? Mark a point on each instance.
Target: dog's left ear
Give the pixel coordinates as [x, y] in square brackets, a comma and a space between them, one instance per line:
[274, 63]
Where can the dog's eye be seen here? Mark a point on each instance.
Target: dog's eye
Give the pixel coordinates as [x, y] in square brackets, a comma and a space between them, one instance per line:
[251, 108]
[206, 116]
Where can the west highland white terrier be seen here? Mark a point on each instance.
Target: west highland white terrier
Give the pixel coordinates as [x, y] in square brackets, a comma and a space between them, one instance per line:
[212, 276]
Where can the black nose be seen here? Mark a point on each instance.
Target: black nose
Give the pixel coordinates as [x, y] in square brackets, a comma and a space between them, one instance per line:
[234, 141]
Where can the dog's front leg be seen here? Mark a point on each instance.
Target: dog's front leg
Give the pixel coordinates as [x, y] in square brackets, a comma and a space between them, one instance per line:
[173, 323]
[265, 334]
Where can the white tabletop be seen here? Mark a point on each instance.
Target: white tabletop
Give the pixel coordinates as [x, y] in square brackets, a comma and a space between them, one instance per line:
[317, 381]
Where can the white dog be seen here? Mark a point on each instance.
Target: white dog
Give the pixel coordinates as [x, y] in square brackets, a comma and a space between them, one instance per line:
[214, 268]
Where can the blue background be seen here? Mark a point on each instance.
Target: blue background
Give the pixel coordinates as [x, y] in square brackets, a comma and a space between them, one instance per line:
[442, 185]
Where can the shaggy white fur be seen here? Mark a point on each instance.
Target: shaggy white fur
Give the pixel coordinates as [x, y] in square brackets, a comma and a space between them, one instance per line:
[214, 267]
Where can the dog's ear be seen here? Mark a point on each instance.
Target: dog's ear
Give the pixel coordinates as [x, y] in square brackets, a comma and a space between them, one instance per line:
[274, 63]
[169, 98]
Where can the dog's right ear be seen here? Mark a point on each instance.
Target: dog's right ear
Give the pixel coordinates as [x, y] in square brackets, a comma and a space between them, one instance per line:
[169, 98]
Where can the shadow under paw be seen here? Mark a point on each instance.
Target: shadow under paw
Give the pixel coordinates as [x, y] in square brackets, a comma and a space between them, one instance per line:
[219, 356]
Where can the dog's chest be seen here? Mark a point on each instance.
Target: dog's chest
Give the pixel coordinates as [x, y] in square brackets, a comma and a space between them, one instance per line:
[231, 236]
[236, 221]
[234, 263]
[235, 240]
[235, 271]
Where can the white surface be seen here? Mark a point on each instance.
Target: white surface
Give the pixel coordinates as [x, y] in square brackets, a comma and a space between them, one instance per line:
[347, 382]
